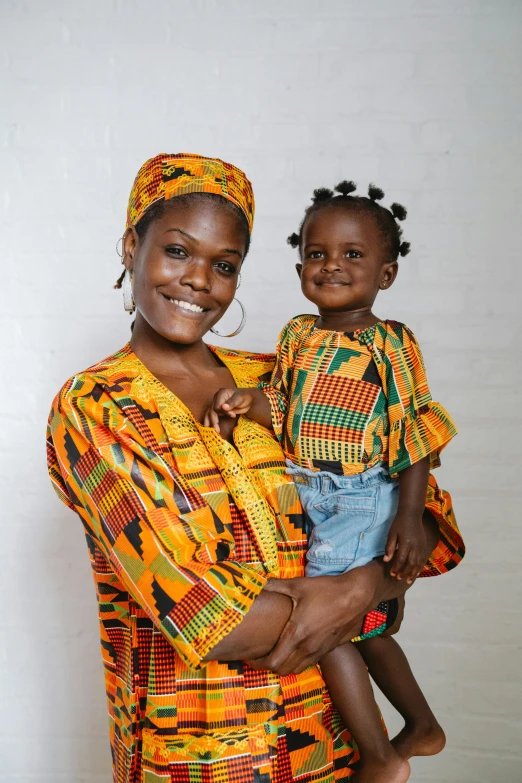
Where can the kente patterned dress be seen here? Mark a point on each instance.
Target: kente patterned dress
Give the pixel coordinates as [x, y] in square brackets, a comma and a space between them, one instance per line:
[344, 401]
[183, 531]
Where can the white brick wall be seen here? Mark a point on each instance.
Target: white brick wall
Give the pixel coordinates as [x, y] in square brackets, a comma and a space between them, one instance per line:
[422, 96]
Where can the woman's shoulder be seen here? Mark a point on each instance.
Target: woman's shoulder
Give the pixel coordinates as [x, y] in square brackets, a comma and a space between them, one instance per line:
[115, 370]
[245, 364]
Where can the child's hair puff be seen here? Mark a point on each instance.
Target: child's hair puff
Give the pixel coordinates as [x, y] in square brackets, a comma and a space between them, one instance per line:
[341, 196]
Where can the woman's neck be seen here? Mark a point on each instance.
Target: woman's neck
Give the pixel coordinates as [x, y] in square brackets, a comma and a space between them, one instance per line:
[165, 358]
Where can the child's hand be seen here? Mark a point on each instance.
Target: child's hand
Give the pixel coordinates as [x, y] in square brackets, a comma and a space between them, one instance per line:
[406, 548]
[228, 402]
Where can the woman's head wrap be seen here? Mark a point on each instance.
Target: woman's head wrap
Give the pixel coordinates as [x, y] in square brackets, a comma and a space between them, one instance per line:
[168, 176]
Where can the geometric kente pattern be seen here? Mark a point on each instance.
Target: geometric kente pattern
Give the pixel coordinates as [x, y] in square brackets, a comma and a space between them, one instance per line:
[345, 401]
[183, 531]
[167, 176]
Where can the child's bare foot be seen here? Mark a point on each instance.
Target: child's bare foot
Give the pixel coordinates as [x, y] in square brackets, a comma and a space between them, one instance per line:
[420, 739]
[394, 770]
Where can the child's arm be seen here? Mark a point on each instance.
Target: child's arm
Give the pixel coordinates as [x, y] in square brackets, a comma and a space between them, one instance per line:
[419, 430]
[406, 547]
[266, 405]
[234, 402]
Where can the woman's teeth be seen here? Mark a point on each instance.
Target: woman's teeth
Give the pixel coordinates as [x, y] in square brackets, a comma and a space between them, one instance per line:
[186, 305]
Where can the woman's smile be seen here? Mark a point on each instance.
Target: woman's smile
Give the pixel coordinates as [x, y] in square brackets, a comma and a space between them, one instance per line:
[188, 308]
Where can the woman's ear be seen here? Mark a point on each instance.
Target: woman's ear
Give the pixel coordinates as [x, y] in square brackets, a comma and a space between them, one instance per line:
[130, 244]
[299, 268]
[388, 274]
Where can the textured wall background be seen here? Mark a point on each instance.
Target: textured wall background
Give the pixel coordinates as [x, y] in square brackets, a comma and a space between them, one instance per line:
[421, 96]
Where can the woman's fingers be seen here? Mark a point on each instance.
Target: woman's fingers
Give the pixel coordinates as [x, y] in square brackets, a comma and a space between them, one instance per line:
[286, 586]
[327, 611]
[295, 652]
[310, 631]
[283, 655]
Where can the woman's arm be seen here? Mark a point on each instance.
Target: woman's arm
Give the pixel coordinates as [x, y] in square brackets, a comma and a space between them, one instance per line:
[258, 632]
[164, 543]
[329, 610]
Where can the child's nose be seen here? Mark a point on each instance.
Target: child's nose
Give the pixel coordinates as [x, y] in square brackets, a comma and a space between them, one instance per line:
[332, 263]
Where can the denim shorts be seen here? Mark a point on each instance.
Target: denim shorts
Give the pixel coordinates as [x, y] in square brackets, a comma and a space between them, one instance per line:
[349, 516]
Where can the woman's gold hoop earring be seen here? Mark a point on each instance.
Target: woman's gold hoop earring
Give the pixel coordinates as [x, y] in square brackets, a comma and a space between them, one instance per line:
[239, 328]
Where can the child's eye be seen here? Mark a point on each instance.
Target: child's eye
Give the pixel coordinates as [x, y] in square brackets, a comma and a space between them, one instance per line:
[228, 269]
[354, 254]
[315, 254]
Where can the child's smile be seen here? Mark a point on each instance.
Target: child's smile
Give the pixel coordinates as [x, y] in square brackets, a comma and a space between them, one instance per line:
[344, 261]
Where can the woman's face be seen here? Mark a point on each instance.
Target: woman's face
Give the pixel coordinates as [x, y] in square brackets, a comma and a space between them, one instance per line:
[185, 268]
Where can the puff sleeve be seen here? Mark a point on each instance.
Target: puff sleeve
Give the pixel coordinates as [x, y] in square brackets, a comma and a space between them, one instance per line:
[418, 426]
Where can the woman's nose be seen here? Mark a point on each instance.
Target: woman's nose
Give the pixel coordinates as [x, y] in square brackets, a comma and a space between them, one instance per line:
[197, 275]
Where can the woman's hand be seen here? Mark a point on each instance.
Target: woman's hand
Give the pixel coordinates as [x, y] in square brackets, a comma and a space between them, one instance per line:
[327, 611]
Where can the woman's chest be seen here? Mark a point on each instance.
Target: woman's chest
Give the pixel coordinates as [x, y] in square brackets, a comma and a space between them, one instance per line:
[197, 391]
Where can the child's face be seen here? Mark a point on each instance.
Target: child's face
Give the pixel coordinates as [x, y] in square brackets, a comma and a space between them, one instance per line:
[344, 260]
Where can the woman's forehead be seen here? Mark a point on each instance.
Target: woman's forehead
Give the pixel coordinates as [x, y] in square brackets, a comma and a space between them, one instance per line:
[200, 220]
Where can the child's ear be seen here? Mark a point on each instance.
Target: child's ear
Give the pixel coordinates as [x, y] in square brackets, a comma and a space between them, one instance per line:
[299, 268]
[388, 275]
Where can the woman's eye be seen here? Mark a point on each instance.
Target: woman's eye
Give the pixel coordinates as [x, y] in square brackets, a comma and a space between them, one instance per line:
[176, 251]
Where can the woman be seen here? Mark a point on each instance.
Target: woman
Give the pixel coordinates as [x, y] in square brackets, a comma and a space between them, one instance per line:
[196, 540]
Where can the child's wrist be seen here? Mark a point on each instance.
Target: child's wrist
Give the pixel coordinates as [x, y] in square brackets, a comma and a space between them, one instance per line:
[410, 516]
[260, 409]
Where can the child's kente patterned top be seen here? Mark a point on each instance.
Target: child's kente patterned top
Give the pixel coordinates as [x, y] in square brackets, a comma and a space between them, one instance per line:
[345, 401]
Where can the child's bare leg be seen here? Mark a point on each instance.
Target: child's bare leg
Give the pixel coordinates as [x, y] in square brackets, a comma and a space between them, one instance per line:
[347, 680]
[389, 667]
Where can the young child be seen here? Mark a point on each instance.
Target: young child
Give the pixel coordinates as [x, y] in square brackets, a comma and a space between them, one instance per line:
[350, 403]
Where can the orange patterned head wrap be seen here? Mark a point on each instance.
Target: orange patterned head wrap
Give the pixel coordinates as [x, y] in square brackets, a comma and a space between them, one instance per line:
[168, 176]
